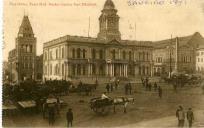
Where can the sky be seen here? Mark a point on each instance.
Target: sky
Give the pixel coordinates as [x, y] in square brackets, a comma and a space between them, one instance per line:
[51, 19]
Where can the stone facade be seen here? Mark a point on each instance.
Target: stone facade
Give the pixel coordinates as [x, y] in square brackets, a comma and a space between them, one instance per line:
[104, 56]
[176, 55]
[22, 59]
[200, 59]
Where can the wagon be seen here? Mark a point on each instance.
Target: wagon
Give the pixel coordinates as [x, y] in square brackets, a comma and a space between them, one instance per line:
[101, 106]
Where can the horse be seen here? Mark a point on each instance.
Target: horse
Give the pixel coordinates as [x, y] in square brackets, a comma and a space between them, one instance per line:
[122, 101]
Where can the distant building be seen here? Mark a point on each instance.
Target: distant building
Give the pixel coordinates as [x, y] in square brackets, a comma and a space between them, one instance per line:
[200, 59]
[5, 71]
[169, 57]
[105, 56]
[22, 59]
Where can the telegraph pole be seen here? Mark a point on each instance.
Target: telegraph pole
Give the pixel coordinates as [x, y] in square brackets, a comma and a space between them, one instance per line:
[170, 70]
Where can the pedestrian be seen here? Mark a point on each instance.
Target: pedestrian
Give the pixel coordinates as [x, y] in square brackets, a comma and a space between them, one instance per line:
[111, 87]
[160, 92]
[150, 86]
[116, 85]
[155, 86]
[190, 117]
[69, 117]
[58, 105]
[126, 89]
[51, 116]
[130, 88]
[181, 116]
[108, 87]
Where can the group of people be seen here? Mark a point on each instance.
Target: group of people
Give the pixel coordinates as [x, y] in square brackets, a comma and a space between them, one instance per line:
[180, 114]
[148, 85]
[111, 86]
[128, 89]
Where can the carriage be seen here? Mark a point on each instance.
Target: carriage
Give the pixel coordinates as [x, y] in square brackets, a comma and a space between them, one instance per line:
[103, 106]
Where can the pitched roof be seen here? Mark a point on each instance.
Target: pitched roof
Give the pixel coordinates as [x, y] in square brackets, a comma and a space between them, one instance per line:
[194, 40]
[25, 27]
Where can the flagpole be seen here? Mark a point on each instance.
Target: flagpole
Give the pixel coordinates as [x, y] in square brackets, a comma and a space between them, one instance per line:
[135, 30]
[89, 26]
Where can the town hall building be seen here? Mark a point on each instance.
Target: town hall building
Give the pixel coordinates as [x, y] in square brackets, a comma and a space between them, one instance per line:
[105, 56]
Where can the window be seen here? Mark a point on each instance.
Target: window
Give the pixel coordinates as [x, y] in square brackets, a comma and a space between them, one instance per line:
[198, 59]
[140, 56]
[62, 52]
[31, 48]
[124, 55]
[84, 70]
[50, 69]
[62, 69]
[73, 53]
[56, 53]
[113, 54]
[94, 69]
[59, 55]
[45, 55]
[143, 56]
[93, 54]
[147, 56]
[130, 55]
[73, 69]
[84, 53]
[79, 70]
[50, 55]
[78, 53]
[101, 54]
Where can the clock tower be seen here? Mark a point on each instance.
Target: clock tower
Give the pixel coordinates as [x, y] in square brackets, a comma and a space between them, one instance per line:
[109, 22]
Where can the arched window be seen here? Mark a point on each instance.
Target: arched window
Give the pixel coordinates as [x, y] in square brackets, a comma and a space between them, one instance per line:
[84, 70]
[62, 69]
[113, 54]
[124, 55]
[94, 69]
[130, 55]
[78, 53]
[62, 52]
[50, 69]
[31, 48]
[56, 53]
[84, 53]
[143, 56]
[101, 54]
[73, 53]
[93, 54]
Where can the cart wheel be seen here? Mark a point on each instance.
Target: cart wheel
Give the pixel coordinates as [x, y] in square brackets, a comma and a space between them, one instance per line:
[103, 110]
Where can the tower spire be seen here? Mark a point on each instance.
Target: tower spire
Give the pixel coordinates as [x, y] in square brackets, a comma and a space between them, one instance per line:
[25, 28]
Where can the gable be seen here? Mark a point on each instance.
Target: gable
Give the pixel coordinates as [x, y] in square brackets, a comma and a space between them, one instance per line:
[114, 42]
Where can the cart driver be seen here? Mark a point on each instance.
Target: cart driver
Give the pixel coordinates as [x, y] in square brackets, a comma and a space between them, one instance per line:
[103, 96]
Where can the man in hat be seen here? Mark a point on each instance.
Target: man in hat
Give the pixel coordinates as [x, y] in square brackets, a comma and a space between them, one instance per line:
[190, 117]
[69, 117]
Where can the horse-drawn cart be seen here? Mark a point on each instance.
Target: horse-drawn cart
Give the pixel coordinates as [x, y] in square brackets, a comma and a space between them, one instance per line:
[103, 106]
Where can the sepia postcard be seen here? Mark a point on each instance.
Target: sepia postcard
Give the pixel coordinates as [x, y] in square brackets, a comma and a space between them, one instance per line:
[103, 63]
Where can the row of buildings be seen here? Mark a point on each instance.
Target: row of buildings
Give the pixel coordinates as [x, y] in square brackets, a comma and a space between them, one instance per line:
[105, 56]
